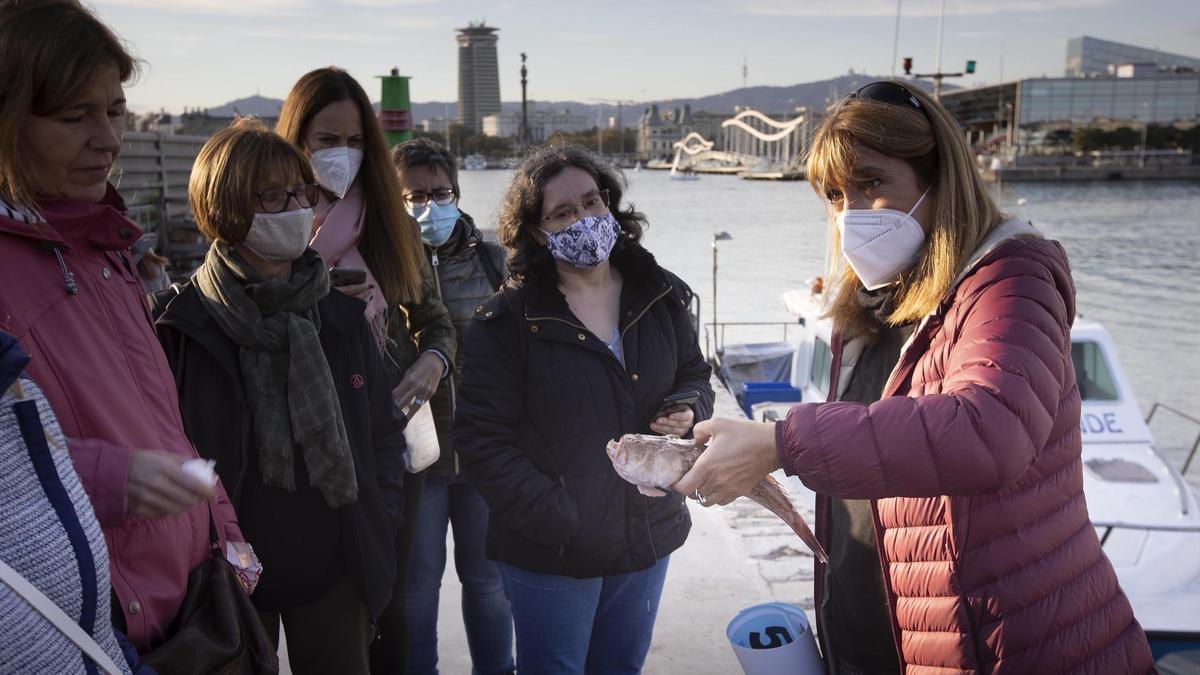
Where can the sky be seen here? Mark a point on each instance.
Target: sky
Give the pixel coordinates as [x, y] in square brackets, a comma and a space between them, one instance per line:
[202, 53]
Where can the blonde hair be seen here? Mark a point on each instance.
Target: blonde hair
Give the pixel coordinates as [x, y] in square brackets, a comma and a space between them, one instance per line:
[230, 168]
[963, 210]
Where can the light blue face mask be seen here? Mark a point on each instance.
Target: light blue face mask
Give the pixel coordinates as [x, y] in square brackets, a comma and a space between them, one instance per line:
[437, 221]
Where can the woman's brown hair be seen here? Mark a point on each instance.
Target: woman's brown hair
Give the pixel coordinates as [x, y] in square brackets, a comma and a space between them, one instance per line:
[48, 52]
[231, 168]
[521, 208]
[391, 243]
[964, 211]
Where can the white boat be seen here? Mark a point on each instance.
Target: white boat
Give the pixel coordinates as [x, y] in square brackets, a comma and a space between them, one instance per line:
[686, 174]
[1146, 514]
[474, 162]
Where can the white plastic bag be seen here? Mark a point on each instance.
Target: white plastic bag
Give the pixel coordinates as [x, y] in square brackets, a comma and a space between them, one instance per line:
[420, 435]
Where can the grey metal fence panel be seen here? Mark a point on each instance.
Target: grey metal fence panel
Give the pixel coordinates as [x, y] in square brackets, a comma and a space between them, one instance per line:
[153, 175]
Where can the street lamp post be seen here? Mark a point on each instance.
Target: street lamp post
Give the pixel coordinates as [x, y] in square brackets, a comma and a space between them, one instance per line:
[524, 104]
[717, 236]
[1010, 118]
[1142, 154]
[1145, 132]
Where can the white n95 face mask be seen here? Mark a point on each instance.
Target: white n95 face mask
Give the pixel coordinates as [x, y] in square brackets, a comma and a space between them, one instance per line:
[879, 244]
[280, 237]
[336, 168]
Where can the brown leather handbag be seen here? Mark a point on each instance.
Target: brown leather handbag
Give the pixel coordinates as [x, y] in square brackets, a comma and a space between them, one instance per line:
[217, 629]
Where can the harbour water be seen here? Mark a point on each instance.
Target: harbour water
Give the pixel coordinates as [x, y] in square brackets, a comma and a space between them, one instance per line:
[1134, 249]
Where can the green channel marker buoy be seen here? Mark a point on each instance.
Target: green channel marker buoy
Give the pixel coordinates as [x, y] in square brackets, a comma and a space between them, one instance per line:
[395, 108]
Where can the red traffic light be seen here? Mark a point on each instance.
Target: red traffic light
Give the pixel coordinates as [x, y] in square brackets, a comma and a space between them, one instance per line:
[908, 65]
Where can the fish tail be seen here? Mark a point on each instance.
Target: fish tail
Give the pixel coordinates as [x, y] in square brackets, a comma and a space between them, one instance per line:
[770, 494]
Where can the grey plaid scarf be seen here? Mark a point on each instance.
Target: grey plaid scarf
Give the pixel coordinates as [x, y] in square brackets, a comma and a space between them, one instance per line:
[287, 380]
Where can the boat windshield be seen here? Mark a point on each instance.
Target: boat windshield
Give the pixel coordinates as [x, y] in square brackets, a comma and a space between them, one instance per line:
[1092, 373]
[822, 359]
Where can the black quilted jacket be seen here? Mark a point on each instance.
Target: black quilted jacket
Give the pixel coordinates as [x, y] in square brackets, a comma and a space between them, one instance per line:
[540, 398]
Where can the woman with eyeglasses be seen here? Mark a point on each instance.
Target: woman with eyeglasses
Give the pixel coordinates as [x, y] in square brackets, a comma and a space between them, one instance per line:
[947, 459]
[282, 383]
[360, 223]
[589, 340]
[467, 270]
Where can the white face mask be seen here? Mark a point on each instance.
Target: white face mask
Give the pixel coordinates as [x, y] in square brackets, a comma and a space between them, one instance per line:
[879, 244]
[280, 237]
[336, 168]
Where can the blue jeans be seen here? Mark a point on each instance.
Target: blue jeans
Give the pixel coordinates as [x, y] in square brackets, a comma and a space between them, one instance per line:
[600, 625]
[486, 616]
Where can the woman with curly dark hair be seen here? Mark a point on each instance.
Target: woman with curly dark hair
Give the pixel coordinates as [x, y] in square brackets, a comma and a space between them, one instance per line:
[586, 342]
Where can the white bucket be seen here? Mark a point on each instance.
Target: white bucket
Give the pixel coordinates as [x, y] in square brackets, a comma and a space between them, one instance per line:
[774, 639]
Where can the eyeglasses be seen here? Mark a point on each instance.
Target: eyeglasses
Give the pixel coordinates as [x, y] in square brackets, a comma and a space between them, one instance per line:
[276, 199]
[890, 93]
[593, 203]
[440, 196]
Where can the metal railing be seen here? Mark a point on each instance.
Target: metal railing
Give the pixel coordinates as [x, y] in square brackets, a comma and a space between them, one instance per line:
[1187, 462]
[714, 334]
[153, 174]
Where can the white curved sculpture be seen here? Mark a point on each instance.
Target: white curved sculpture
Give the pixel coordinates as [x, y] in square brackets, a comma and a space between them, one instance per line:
[785, 128]
[700, 144]
[777, 146]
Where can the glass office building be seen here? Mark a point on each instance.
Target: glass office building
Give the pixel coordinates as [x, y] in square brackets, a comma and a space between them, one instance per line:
[1066, 102]
[1145, 100]
[1092, 57]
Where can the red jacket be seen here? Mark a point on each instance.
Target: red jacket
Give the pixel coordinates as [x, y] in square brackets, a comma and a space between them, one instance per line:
[95, 355]
[972, 462]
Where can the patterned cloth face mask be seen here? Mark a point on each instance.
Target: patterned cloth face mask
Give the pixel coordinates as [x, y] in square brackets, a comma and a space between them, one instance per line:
[586, 242]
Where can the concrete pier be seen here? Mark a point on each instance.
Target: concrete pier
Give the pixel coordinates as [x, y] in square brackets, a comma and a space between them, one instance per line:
[736, 556]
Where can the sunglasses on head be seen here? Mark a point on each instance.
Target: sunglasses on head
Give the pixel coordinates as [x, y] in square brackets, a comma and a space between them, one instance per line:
[890, 93]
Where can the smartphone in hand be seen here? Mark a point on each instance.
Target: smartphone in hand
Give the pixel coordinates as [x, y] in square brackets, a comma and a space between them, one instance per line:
[346, 276]
[677, 402]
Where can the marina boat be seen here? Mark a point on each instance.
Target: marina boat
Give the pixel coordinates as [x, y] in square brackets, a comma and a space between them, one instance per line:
[474, 162]
[1145, 512]
[686, 174]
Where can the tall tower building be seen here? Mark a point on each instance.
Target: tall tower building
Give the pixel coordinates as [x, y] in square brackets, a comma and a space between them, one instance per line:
[478, 76]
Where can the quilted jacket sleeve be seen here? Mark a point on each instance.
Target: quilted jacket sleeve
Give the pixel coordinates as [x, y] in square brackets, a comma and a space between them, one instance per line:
[1004, 375]
[490, 410]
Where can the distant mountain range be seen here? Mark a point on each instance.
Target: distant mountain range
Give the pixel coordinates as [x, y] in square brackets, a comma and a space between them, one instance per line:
[772, 100]
[784, 100]
[257, 106]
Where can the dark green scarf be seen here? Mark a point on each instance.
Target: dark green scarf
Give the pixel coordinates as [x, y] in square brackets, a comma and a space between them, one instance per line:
[286, 377]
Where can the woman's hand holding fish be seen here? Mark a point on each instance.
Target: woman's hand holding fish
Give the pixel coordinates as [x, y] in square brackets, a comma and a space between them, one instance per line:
[677, 423]
[739, 455]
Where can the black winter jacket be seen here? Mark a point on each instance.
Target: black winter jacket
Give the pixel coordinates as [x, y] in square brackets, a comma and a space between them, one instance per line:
[540, 398]
[463, 283]
[217, 420]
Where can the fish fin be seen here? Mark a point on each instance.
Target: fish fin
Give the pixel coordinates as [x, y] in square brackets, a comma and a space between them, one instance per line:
[771, 495]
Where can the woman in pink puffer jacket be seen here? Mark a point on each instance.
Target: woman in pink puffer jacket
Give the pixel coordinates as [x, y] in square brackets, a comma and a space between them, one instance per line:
[947, 460]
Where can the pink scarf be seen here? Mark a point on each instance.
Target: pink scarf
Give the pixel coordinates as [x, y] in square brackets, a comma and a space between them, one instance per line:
[338, 227]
